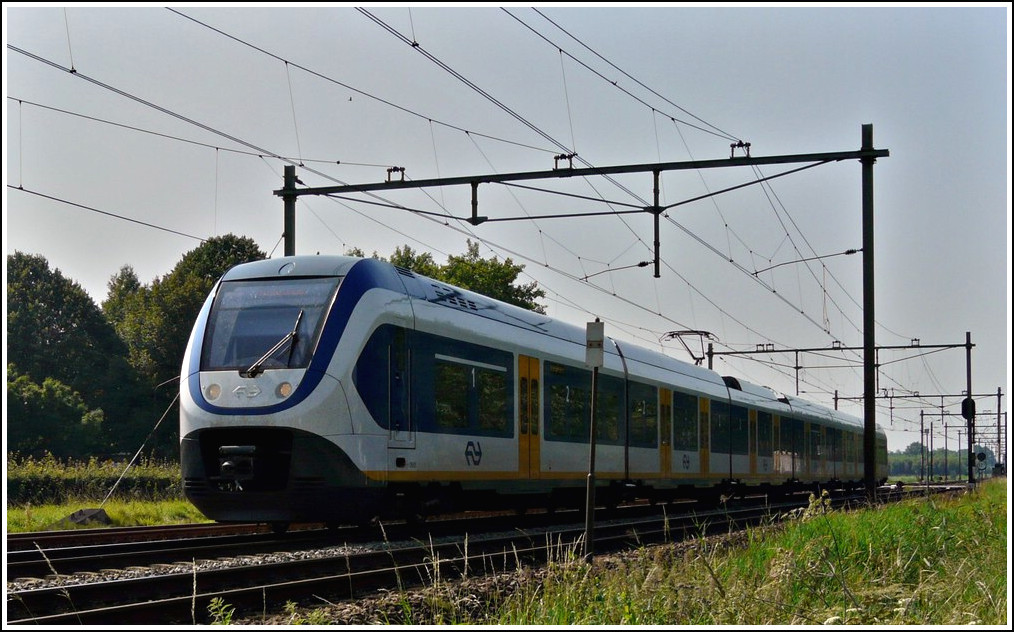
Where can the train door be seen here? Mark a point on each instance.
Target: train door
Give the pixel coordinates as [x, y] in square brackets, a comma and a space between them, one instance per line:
[402, 430]
[529, 417]
[824, 452]
[705, 435]
[665, 432]
[808, 450]
[752, 447]
[776, 442]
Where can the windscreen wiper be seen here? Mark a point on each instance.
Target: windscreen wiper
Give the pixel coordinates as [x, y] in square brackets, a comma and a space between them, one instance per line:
[291, 337]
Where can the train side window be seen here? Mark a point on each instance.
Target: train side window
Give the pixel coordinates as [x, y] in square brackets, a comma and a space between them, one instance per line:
[643, 414]
[451, 382]
[567, 400]
[684, 421]
[721, 436]
[739, 430]
[567, 413]
[491, 390]
[372, 374]
[608, 420]
[523, 403]
[704, 416]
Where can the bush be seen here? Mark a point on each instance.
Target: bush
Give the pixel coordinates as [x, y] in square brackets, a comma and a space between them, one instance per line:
[49, 480]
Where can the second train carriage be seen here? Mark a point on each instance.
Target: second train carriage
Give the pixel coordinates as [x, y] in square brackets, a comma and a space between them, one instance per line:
[336, 389]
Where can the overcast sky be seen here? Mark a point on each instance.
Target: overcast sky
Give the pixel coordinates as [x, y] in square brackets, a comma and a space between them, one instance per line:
[133, 133]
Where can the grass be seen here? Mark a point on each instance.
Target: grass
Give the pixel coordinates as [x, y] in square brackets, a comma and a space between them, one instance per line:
[51, 481]
[926, 561]
[122, 513]
[41, 492]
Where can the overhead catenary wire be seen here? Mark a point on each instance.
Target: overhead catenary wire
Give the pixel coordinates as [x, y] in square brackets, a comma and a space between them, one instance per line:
[188, 141]
[714, 130]
[417, 47]
[107, 213]
[386, 102]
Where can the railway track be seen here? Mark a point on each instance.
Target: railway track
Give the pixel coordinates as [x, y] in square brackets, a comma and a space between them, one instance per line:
[260, 571]
[182, 597]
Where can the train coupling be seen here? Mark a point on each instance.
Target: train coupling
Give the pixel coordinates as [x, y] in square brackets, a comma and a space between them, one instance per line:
[236, 462]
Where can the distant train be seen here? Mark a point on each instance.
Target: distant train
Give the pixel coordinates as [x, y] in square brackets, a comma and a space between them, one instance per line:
[340, 389]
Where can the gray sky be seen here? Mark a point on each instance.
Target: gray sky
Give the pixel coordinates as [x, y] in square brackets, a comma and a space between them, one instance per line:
[176, 125]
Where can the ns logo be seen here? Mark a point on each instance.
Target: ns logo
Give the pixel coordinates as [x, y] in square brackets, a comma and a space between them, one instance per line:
[473, 453]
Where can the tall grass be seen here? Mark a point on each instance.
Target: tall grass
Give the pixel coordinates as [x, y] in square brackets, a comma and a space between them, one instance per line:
[43, 491]
[48, 480]
[122, 513]
[926, 561]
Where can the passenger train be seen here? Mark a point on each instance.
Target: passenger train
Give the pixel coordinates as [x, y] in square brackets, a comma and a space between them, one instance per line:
[342, 389]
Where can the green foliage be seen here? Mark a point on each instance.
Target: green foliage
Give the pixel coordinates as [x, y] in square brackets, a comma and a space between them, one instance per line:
[490, 277]
[942, 462]
[57, 337]
[50, 480]
[55, 330]
[940, 562]
[221, 612]
[49, 418]
[313, 617]
[121, 513]
[421, 263]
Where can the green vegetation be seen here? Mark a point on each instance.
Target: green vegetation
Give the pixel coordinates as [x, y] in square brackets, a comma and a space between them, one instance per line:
[122, 513]
[87, 381]
[916, 462]
[48, 480]
[927, 561]
[42, 492]
[490, 277]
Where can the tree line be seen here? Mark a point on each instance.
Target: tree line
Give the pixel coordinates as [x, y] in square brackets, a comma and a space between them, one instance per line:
[101, 380]
[917, 460]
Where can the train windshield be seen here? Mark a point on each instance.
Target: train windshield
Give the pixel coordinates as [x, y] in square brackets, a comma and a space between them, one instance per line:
[258, 325]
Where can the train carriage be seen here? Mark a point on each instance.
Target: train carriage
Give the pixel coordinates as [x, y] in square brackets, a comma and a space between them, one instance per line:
[338, 389]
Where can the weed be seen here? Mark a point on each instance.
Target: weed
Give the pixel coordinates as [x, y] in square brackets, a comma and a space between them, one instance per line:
[221, 613]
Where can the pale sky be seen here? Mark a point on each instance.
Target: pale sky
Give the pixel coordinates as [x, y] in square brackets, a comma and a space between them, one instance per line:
[176, 124]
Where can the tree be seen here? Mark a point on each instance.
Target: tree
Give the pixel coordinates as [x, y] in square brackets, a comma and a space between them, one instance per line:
[55, 331]
[492, 278]
[469, 271]
[121, 289]
[420, 263]
[50, 418]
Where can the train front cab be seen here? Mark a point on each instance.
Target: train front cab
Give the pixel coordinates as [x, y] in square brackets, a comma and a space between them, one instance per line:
[267, 434]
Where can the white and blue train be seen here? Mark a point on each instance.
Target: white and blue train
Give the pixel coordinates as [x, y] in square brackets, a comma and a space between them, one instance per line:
[340, 389]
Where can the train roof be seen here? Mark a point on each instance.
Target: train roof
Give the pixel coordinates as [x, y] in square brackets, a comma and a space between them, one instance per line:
[301, 265]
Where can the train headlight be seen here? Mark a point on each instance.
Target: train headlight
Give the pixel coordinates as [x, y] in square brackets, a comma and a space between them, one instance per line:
[284, 390]
[212, 391]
